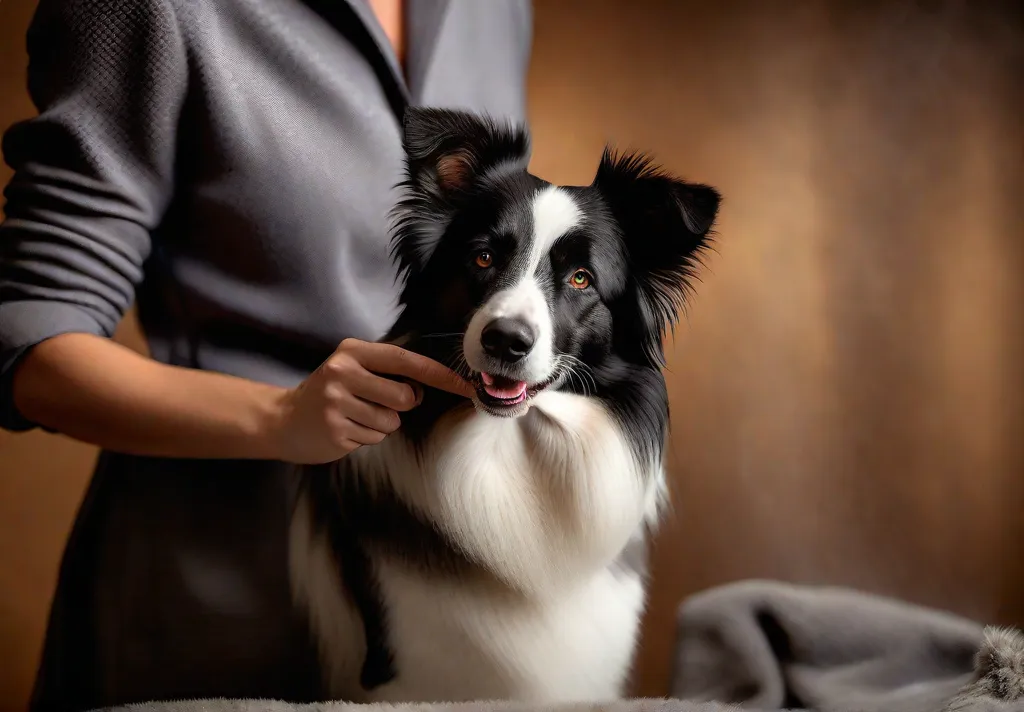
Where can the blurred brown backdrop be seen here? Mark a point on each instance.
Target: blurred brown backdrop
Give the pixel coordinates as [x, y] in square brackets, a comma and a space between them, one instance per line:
[848, 387]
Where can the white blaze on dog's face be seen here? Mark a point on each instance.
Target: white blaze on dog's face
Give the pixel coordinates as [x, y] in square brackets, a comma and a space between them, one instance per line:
[525, 286]
[510, 339]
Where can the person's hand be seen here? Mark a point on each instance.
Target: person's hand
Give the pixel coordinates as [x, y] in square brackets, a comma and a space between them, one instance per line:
[344, 404]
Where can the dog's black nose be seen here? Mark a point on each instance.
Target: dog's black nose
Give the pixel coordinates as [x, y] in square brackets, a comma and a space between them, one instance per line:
[507, 339]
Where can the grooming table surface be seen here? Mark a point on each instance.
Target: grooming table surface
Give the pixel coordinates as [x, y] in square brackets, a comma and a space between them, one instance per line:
[767, 646]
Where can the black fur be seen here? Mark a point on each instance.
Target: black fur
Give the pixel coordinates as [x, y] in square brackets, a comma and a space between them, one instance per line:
[665, 223]
[468, 147]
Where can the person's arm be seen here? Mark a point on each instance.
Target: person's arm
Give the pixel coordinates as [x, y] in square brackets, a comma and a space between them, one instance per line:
[95, 390]
[94, 173]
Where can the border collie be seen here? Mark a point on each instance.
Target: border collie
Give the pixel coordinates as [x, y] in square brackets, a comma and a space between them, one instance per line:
[479, 552]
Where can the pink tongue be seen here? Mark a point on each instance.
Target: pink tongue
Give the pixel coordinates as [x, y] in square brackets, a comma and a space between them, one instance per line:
[511, 391]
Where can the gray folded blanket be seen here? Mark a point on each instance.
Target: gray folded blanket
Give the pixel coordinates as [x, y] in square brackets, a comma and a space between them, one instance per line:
[764, 647]
[768, 645]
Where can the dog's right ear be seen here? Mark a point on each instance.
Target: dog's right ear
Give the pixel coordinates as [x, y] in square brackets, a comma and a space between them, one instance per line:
[447, 152]
[665, 223]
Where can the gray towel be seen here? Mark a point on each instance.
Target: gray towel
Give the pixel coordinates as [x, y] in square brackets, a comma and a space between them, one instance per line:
[770, 645]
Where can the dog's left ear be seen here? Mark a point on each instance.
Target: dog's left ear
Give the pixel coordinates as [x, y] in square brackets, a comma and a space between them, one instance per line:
[447, 152]
[665, 223]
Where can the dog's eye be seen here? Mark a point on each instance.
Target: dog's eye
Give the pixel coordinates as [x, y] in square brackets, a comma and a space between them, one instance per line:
[484, 259]
[580, 279]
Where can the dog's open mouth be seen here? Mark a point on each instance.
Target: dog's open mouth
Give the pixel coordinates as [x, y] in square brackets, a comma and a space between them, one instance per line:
[502, 394]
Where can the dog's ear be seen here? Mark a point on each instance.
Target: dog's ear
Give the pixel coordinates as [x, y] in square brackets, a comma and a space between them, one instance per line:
[448, 150]
[447, 153]
[665, 225]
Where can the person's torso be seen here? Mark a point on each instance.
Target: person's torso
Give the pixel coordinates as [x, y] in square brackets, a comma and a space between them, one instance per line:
[276, 245]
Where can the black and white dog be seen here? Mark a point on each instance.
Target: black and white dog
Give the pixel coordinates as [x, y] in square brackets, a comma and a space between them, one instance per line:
[477, 553]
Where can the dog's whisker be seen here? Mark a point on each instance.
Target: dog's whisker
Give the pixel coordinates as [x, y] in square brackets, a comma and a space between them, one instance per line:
[457, 363]
[576, 371]
[461, 366]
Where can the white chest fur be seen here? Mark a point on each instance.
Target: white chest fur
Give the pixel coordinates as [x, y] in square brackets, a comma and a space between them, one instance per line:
[546, 502]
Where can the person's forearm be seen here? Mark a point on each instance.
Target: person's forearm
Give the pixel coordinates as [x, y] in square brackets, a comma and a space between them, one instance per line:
[97, 391]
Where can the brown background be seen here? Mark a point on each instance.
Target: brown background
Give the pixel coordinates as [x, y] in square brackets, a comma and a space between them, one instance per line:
[847, 390]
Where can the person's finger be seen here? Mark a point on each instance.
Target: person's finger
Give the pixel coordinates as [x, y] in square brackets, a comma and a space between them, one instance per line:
[394, 360]
[371, 415]
[350, 445]
[382, 391]
[363, 435]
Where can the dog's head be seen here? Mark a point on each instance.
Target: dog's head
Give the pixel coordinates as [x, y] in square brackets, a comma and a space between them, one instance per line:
[522, 284]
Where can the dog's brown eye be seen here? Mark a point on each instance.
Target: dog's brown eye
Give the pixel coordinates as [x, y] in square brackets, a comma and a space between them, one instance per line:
[580, 279]
[484, 260]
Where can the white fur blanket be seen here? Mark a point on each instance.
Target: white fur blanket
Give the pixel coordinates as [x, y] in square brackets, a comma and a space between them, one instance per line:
[763, 647]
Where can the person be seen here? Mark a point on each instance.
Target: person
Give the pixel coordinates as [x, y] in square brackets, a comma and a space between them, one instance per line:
[228, 165]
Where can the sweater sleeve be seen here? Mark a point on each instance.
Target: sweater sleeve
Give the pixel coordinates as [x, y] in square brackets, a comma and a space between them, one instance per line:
[93, 172]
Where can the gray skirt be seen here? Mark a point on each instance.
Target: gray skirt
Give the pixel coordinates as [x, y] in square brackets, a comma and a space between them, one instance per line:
[174, 585]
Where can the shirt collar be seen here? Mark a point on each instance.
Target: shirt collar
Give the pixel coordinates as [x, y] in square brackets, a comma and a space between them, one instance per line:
[424, 24]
